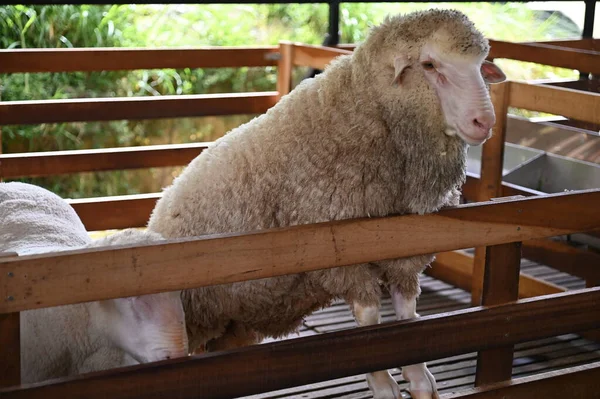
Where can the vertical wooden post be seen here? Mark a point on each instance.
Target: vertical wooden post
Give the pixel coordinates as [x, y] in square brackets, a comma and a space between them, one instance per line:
[10, 344]
[490, 180]
[284, 68]
[10, 349]
[500, 285]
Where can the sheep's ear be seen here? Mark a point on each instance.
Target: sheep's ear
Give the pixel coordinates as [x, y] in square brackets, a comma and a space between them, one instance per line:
[401, 64]
[492, 73]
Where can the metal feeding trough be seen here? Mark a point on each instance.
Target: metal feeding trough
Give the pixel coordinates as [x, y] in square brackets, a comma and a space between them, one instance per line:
[543, 172]
[539, 170]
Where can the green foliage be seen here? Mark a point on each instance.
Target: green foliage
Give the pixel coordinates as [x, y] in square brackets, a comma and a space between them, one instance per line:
[195, 25]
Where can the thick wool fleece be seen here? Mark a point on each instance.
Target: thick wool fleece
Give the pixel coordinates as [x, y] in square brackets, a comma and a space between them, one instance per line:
[345, 144]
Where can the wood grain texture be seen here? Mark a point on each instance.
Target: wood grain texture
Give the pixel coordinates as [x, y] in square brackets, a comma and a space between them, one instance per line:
[500, 285]
[490, 180]
[578, 382]
[120, 212]
[132, 108]
[294, 362]
[575, 104]
[119, 59]
[86, 275]
[547, 54]
[35, 164]
[284, 68]
[317, 57]
[10, 344]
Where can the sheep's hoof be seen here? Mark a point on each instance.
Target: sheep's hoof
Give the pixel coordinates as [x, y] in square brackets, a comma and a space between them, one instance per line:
[383, 385]
[422, 382]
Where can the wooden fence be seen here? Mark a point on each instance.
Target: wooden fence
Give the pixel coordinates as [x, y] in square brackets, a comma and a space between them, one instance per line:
[498, 228]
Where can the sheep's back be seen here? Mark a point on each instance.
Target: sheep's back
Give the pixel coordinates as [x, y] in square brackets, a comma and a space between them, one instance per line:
[35, 220]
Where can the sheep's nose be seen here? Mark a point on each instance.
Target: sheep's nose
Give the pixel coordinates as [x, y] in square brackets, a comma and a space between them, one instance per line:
[483, 122]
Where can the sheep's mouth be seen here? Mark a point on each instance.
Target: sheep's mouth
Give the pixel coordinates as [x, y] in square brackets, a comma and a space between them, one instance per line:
[452, 131]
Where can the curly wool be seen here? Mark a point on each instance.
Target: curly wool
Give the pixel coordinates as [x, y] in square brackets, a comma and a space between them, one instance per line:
[345, 144]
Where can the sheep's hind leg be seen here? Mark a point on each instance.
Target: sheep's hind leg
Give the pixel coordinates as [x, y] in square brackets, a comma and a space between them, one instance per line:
[422, 383]
[381, 383]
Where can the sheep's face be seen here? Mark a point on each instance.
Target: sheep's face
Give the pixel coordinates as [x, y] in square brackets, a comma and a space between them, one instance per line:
[458, 80]
[149, 327]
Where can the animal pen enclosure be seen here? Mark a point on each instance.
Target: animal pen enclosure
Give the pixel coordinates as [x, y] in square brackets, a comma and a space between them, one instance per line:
[499, 228]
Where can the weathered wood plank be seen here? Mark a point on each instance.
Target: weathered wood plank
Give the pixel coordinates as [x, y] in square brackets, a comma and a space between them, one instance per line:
[120, 59]
[490, 181]
[86, 275]
[115, 212]
[61, 162]
[10, 349]
[284, 69]
[132, 108]
[280, 365]
[573, 382]
[500, 285]
[317, 57]
[547, 54]
[575, 104]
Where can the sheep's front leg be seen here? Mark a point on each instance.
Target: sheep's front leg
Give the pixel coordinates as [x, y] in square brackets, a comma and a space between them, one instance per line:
[381, 383]
[422, 382]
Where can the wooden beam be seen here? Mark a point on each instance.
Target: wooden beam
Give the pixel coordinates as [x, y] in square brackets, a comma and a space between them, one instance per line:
[456, 268]
[573, 382]
[490, 181]
[61, 162]
[547, 54]
[575, 104]
[119, 59]
[131, 108]
[115, 212]
[317, 57]
[10, 349]
[80, 276]
[500, 285]
[284, 68]
[279, 365]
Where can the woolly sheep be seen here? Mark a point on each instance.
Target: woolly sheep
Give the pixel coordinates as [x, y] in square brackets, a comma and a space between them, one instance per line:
[75, 339]
[382, 131]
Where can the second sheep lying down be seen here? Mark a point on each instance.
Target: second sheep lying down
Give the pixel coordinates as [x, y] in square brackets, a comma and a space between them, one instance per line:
[382, 131]
[75, 339]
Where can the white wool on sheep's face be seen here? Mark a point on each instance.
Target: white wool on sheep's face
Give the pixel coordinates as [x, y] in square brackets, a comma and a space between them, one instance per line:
[366, 138]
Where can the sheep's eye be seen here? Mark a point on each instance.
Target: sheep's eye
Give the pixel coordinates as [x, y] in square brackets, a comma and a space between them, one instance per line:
[428, 66]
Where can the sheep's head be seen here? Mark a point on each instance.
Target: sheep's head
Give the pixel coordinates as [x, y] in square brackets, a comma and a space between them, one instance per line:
[148, 327]
[431, 65]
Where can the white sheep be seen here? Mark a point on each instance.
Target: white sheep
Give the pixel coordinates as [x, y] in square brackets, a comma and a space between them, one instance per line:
[75, 339]
[382, 131]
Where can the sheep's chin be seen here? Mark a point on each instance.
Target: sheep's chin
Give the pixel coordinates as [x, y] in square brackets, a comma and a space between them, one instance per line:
[450, 131]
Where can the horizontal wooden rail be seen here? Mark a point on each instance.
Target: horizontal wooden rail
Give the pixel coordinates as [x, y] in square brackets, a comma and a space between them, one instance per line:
[572, 382]
[108, 109]
[579, 43]
[61, 162]
[315, 56]
[85, 275]
[575, 104]
[119, 212]
[547, 54]
[279, 365]
[114, 59]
